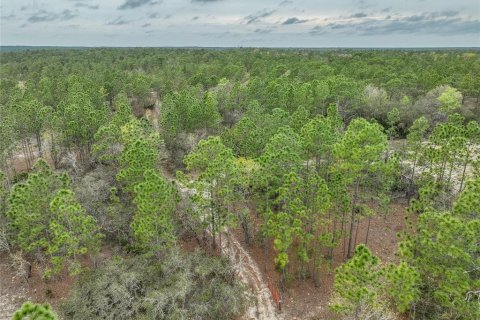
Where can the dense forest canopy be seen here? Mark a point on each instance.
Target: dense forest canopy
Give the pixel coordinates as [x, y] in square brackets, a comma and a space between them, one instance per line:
[133, 171]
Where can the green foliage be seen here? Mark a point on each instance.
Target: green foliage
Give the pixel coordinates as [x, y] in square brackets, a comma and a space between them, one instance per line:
[393, 118]
[361, 149]
[78, 118]
[108, 136]
[73, 231]
[361, 169]
[245, 138]
[29, 207]
[450, 100]
[402, 285]
[357, 281]
[185, 112]
[319, 135]
[363, 282]
[33, 311]
[467, 205]
[156, 200]
[443, 248]
[140, 88]
[140, 153]
[44, 218]
[417, 131]
[281, 155]
[302, 203]
[256, 127]
[3, 194]
[215, 185]
[269, 105]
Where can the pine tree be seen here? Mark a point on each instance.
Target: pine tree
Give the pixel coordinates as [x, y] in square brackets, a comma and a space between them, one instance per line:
[216, 183]
[72, 233]
[107, 139]
[402, 282]
[415, 139]
[140, 152]
[32, 311]
[43, 218]
[152, 224]
[78, 119]
[319, 135]
[359, 155]
[443, 248]
[357, 282]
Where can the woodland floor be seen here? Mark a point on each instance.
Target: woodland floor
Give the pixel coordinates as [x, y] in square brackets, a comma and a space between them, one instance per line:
[301, 300]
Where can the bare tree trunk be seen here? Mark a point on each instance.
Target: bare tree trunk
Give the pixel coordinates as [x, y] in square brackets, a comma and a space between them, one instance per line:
[316, 279]
[465, 163]
[368, 229]
[343, 234]
[412, 179]
[25, 154]
[38, 136]
[214, 244]
[352, 220]
[356, 233]
[330, 254]
[30, 152]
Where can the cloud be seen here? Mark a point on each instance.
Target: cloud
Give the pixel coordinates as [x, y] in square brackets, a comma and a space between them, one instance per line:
[285, 2]
[359, 15]
[118, 22]
[68, 14]
[256, 17]
[262, 31]
[47, 16]
[195, 18]
[438, 23]
[317, 30]
[42, 16]
[362, 4]
[205, 1]
[132, 4]
[86, 5]
[146, 25]
[293, 20]
[9, 17]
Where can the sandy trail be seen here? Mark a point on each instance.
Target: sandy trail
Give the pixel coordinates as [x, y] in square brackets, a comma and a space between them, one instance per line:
[261, 304]
[248, 272]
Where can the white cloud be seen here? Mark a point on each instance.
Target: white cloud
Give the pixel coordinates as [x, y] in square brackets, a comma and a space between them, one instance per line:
[310, 23]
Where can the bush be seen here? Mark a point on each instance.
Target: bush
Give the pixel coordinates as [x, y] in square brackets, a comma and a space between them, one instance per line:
[178, 286]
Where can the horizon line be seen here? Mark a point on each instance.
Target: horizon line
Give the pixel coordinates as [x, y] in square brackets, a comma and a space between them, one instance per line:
[241, 46]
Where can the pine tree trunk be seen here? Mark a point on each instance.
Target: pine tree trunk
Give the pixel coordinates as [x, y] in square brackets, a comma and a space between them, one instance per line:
[368, 229]
[352, 221]
[465, 163]
[38, 136]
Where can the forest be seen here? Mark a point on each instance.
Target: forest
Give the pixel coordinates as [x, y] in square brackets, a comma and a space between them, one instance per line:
[156, 183]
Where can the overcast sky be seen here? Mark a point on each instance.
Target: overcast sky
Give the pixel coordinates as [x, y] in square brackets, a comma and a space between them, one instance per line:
[259, 23]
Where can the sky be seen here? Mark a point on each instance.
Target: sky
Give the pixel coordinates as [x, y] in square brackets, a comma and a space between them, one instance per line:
[247, 23]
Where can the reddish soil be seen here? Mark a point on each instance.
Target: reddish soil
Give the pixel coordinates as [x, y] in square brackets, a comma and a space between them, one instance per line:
[18, 289]
[301, 299]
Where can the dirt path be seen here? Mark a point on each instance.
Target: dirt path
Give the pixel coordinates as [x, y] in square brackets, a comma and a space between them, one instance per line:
[262, 306]
[11, 295]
